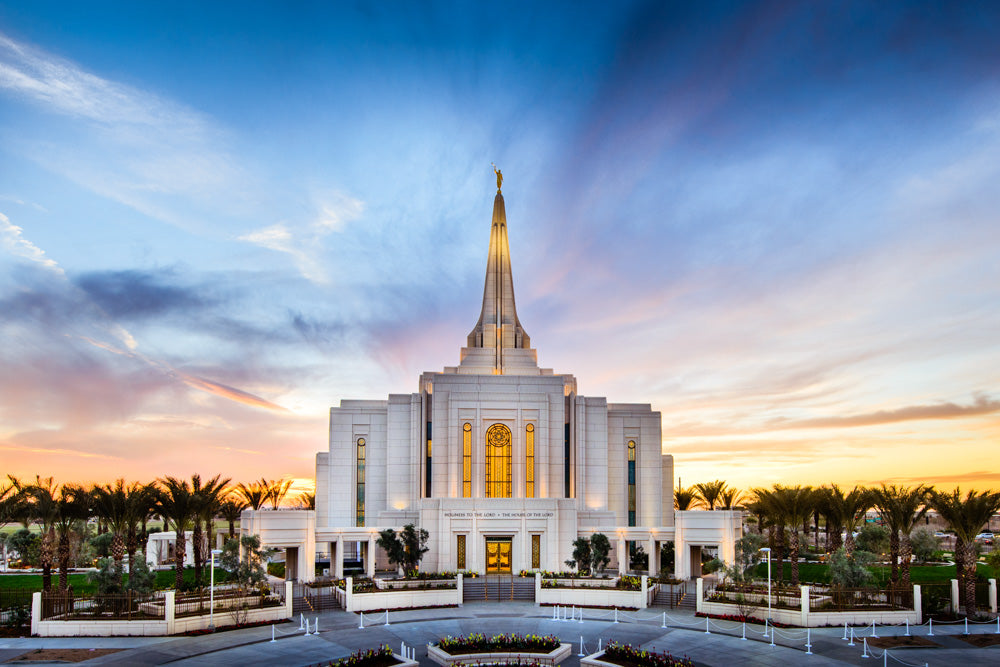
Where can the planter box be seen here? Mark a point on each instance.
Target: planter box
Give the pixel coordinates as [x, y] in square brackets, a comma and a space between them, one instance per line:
[417, 584]
[402, 599]
[584, 583]
[440, 657]
[591, 597]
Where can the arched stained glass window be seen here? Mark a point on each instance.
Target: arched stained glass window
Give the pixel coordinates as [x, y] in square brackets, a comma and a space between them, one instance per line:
[360, 510]
[467, 461]
[529, 461]
[498, 446]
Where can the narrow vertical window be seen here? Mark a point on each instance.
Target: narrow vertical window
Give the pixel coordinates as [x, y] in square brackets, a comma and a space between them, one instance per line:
[428, 411]
[631, 482]
[498, 461]
[460, 552]
[536, 552]
[360, 509]
[466, 463]
[566, 465]
[529, 461]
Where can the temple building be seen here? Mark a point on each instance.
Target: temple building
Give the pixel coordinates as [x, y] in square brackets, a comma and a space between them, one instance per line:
[503, 462]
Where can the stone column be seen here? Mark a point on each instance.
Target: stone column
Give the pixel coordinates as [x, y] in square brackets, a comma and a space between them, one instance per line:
[460, 585]
[622, 554]
[370, 557]
[954, 596]
[699, 589]
[348, 592]
[338, 563]
[289, 598]
[650, 550]
[169, 602]
[645, 592]
[804, 605]
[993, 596]
[36, 611]
[918, 604]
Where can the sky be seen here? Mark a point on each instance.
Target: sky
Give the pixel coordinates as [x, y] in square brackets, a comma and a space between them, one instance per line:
[776, 222]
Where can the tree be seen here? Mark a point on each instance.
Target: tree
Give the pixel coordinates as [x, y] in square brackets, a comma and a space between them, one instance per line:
[176, 504]
[306, 500]
[795, 504]
[245, 560]
[72, 505]
[254, 494]
[731, 499]
[110, 504]
[581, 555]
[900, 508]
[850, 570]
[924, 544]
[230, 510]
[27, 545]
[683, 498]
[873, 539]
[709, 493]
[277, 490]
[966, 517]
[600, 548]
[206, 499]
[747, 557]
[43, 509]
[405, 549]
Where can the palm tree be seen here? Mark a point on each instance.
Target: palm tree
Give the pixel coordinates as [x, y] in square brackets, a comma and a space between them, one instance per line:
[307, 500]
[253, 494]
[768, 506]
[141, 499]
[206, 504]
[731, 498]
[230, 510]
[966, 517]
[709, 493]
[795, 505]
[110, 504]
[683, 498]
[176, 503]
[900, 508]
[43, 509]
[844, 511]
[277, 490]
[11, 504]
[72, 506]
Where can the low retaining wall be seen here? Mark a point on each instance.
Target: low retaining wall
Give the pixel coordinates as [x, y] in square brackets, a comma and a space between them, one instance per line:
[803, 617]
[593, 597]
[170, 625]
[400, 599]
[440, 657]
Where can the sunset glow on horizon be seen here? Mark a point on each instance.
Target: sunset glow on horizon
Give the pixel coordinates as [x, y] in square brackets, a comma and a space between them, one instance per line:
[779, 224]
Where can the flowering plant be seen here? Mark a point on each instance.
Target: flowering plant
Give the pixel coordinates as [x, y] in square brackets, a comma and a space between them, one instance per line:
[373, 657]
[630, 656]
[502, 643]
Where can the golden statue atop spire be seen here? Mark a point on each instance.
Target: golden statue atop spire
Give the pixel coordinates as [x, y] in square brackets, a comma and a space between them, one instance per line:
[499, 176]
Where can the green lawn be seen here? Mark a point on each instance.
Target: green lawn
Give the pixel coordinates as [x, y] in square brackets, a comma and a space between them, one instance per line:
[80, 584]
[820, 573]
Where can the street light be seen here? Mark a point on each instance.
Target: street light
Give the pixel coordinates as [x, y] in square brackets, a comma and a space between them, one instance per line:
[767, 550]
[211, 591]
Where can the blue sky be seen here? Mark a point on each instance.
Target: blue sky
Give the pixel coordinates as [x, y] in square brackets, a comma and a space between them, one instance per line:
[776, 222]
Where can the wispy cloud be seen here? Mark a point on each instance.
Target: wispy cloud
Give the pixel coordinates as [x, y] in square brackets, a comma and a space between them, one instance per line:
[982, 405]
[305, 244]
[160, 157]
[13, 241]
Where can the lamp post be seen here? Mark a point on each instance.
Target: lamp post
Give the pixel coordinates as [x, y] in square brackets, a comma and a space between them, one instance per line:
[211, 591]
[767, 550]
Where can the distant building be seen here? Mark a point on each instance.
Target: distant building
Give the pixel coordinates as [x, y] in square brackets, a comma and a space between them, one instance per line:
[502, 462]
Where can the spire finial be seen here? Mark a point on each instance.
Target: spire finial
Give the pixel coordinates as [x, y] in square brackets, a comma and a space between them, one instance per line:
[499, 176]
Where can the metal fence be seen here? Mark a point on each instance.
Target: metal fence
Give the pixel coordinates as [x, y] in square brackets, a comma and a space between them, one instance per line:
[849, 599]
[755, 595]
[15, 606]
[65, 605]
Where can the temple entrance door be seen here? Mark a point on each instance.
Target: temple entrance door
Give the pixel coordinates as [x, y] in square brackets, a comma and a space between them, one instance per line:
[498, 555]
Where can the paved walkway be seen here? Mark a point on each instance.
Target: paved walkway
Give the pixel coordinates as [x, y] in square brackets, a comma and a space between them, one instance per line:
[339, 635]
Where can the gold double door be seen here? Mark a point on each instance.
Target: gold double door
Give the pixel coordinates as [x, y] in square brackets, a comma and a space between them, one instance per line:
[498, 550]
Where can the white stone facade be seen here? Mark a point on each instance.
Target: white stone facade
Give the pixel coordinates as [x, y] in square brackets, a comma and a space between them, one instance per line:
[493, 452]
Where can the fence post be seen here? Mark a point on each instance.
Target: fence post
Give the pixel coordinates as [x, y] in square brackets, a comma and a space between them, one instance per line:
[954, 596]
[645, 591]
[538, 589]
[804, 605]
[289, 599]
[993, 596]
[36, 611]
[169, 599]
[460, 585]
[918, 604]
[348, 593]
[699, 591]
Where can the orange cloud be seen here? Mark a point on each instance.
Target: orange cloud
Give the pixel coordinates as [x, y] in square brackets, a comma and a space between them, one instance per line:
[231, 393]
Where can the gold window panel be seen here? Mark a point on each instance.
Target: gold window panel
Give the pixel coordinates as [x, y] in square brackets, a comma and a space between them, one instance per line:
[460, 552]
[536, 552]
[360, 508]
[529, 460]
[498, 454]
[467, 461]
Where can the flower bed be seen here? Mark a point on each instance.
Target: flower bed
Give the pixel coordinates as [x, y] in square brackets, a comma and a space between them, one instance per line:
[501, 649]
[740, 618]
[630, 656]
[373, 657]
[478, 643]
